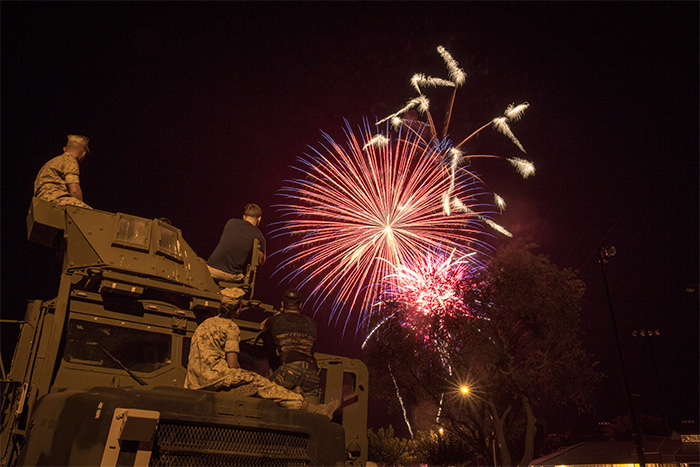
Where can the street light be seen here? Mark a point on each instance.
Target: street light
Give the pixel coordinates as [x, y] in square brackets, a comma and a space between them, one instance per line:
[649, 334]
[604, 254]
[464, 390]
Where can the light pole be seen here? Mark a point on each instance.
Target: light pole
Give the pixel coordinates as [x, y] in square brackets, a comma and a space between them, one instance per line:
[648, 335]
[603, 255]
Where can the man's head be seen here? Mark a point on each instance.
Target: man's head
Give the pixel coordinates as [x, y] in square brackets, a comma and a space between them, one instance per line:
[77, 146]
[291, 300]
[252, 213]
[231, 302]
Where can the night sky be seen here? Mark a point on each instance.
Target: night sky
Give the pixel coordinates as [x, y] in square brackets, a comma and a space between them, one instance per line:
[195, 109]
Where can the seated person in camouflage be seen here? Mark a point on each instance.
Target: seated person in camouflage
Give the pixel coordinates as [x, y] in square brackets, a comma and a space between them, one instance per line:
[213, 365]
[58, 180]
[294, 335]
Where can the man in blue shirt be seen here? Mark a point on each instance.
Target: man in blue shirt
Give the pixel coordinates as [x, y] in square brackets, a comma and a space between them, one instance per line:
[235, 248]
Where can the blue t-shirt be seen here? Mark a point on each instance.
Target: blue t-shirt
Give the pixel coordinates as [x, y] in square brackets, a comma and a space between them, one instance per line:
[235, 247]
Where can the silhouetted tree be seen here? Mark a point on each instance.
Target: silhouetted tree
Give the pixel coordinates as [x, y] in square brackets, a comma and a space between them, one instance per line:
[516, 346]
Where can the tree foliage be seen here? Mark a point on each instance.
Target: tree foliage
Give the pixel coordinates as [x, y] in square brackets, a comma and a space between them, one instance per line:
[447, 448]
[427, 447]
[517, 348]
[387, 449]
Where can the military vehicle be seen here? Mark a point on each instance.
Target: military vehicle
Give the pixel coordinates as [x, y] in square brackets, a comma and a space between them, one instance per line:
[97, 373]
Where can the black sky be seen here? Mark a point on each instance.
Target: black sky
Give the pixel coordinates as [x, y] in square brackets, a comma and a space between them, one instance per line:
[196, 108]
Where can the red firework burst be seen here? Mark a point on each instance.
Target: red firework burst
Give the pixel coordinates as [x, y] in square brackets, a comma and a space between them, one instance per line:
[363, 211]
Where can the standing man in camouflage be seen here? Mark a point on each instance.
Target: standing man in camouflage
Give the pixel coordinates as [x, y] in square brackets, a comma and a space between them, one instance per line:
[213, 365]
[294, 335]
[58, 181]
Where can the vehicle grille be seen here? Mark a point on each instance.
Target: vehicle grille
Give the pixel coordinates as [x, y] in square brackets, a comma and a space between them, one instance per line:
[206, 445]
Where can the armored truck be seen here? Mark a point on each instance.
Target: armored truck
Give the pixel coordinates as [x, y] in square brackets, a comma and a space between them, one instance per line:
[97, 373]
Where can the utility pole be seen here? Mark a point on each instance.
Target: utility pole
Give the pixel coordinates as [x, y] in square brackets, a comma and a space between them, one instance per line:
[648, 335]
[603, 255]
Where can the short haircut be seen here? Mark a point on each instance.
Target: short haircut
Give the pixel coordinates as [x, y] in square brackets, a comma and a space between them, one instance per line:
[291, 300]
[252, 210]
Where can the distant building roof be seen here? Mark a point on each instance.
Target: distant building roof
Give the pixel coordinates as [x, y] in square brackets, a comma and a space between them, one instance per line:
[657, 450]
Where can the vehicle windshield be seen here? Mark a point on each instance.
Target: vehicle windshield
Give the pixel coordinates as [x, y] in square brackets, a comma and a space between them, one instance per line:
[91, 343]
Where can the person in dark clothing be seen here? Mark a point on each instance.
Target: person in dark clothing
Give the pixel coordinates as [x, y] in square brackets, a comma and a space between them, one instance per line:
[234, 251]
[294, 335]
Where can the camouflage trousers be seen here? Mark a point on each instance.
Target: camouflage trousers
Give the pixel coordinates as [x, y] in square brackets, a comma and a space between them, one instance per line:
[247, 383]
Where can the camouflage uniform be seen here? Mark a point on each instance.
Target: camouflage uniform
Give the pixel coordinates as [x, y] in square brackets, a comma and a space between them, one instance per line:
[50, 183]
[208, 368]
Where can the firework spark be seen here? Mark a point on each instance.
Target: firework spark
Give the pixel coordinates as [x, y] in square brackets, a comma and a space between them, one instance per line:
[431, 287]
[368, 210]
[420, 80]
[420, 103]
[456, 74]
[499, 202]
[457, 77]
[524, 168]
[378, 140]
[398, 396]
[426, 293]
[358, 215]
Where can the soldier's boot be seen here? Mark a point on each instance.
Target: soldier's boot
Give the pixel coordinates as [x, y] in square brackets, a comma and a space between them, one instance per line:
[322, 409]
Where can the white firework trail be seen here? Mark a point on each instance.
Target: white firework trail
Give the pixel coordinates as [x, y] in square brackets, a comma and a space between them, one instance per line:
[458, 205]
[455, 73]
[499, 201]
[522, 166]
[420, 103]
[496, 227]
[398, 395]
[378, 141]
[419, 80]
[501, 125]
[515, 112]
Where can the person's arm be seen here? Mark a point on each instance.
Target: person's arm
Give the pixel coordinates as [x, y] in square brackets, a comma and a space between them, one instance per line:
[75, 190]
[232, 360]
[263, 251]
[261, 257]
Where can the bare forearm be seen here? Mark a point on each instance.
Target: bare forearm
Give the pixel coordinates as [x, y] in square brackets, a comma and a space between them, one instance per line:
[75, 190]
[232, 360]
